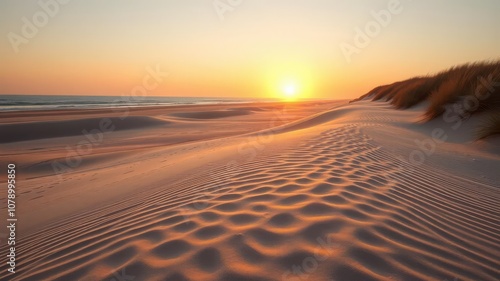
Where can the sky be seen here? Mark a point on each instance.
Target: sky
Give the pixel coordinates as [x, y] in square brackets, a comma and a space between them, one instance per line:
[237, 48]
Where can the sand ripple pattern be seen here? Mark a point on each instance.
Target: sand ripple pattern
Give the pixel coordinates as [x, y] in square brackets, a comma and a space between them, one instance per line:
[338, 207]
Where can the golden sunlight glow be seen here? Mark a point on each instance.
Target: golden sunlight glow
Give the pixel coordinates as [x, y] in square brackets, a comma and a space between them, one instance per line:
[290, 81]
[290, 90]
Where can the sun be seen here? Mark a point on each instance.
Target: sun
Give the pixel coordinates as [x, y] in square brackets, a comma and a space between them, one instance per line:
[288, 81]
[289, 90]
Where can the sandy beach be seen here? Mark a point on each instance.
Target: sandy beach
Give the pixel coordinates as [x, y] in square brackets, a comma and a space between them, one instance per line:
[231, 140]
[320, 190]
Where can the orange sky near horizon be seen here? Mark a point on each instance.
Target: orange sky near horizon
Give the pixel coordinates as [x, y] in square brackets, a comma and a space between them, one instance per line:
[103, 48]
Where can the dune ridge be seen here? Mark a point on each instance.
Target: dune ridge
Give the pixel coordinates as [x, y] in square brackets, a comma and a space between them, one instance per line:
[457, 93]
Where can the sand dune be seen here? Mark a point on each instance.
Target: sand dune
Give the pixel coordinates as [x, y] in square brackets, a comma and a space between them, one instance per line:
[58, 129]
[329, 196]
[212, 114]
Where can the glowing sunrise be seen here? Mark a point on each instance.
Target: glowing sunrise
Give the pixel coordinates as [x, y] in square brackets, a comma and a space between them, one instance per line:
[249, 140]
[96, 48]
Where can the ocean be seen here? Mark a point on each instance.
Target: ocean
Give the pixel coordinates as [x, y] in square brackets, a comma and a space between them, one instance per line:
[46, 102]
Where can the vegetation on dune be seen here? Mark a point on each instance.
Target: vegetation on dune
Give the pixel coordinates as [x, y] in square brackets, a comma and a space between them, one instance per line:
[466, 89]
[467, 85]
[490, 126]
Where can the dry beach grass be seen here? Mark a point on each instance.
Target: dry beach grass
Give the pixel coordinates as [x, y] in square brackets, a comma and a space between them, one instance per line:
[470, 88]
